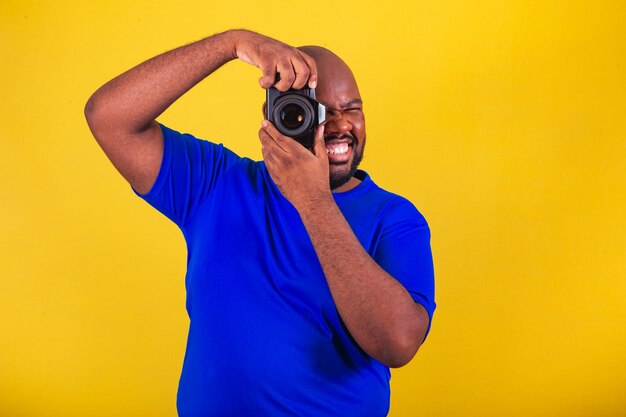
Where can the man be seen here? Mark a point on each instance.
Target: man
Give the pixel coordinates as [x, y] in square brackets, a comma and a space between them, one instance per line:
[305, 280]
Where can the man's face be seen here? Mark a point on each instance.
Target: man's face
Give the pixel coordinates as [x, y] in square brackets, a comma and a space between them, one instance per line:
[344, 130]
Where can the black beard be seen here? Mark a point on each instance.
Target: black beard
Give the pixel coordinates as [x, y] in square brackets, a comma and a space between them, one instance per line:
[342, 177]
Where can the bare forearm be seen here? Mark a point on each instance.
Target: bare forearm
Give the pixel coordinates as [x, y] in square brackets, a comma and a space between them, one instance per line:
[134, 99]
[377, 310]
[122, 113]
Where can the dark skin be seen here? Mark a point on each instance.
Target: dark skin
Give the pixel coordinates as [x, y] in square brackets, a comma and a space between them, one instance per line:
[390, 331]
[377, 310]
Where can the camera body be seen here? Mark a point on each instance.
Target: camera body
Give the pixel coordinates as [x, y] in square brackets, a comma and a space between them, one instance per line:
[295, 113]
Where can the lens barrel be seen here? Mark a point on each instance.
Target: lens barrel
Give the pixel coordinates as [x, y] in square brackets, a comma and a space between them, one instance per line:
[293, 114]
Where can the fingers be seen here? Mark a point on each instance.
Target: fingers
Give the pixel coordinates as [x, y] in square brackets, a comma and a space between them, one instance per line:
[276, 157]
[271, 56]
[269, 75]
[271, 164]
[287, 75]
[312, 66]
[302, 73]
[281, 141]
[296, 70]
[319, 145]
[269, 143]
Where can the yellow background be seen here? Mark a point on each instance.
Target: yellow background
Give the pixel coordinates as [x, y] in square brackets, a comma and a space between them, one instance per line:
[503, 121]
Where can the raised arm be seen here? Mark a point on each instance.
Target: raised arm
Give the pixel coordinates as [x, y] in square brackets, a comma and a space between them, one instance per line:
[122, 113]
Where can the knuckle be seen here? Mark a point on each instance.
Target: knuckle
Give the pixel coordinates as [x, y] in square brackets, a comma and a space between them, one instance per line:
[302, 77]
[288, 77]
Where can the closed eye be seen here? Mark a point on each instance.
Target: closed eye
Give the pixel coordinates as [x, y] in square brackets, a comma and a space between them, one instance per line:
[352, 110]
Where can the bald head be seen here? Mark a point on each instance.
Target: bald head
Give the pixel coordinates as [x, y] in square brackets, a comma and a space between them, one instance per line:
[334, 75]
[344, 129]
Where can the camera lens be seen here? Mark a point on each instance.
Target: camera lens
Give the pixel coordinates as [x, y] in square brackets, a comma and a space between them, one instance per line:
[292, 116]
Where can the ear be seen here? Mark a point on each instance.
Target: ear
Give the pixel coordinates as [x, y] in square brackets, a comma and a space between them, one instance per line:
[263, 109]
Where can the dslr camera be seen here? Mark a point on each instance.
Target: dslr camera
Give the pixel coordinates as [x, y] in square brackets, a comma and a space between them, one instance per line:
[295, 113]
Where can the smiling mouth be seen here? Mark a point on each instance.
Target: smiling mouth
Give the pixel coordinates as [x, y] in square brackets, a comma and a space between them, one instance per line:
[338, 149]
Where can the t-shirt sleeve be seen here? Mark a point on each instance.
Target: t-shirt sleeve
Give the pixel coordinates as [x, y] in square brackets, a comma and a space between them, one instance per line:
[404, 252]
[189, 170]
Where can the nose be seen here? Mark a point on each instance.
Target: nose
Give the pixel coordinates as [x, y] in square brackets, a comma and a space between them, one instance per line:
[337, 123]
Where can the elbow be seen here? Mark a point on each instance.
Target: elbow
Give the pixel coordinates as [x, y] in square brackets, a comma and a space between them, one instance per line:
[106, 117]
[91, 113]
[400, 352]
[99, 113]
[404, 342]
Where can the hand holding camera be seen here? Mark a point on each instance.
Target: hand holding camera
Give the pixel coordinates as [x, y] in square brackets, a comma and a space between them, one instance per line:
[296, 68]
[302, 176]
[290, 78]
[295, 113]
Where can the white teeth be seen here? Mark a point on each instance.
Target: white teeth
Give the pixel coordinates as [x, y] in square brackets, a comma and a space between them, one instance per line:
[338, 149]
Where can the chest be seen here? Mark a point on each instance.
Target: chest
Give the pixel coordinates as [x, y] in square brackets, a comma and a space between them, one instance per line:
[248, 243]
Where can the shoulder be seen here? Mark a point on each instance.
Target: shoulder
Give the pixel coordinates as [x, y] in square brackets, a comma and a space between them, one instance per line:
[392, 206]
[174, 138]
[188, 151]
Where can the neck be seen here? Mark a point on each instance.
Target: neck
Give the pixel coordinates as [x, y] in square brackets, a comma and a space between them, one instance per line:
[351, 184]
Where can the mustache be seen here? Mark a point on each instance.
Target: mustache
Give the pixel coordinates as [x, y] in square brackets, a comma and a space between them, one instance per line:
[332, 136]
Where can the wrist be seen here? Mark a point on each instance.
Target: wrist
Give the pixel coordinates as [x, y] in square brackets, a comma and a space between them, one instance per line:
[229, 40]
[237, 39]
[310, 206]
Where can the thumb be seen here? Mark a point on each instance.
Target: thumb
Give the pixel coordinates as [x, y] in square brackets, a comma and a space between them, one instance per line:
[319, 145]
[269, 76]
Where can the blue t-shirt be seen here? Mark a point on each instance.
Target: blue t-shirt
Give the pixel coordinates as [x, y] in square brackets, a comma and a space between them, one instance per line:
[265, 338]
